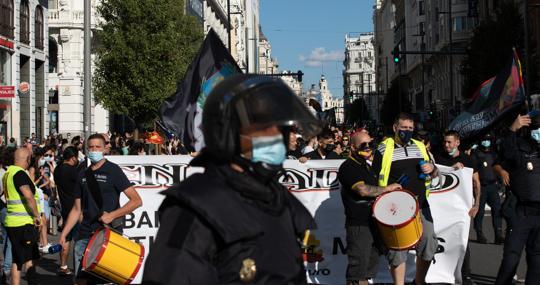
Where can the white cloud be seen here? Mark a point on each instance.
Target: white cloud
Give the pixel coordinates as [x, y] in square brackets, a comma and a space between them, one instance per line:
[320, 55]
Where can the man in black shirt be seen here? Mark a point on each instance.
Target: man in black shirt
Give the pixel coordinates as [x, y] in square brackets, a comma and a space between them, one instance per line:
[23, 218]
[325, 149]
[456, 159]
[358, 191]
[66, 178]
[111, 182]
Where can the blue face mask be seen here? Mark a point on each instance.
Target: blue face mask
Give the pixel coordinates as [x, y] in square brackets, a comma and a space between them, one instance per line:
[486, 143]
[270, 150]
[535, 135]
[125, 150]
[42, 161]
[95, 156]
[453, 152]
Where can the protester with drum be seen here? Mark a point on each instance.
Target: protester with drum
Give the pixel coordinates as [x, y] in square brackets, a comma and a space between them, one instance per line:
[358, 191]
[97, 198]
[406, 161]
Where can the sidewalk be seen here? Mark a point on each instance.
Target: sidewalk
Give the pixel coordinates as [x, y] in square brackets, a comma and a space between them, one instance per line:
[47, 267]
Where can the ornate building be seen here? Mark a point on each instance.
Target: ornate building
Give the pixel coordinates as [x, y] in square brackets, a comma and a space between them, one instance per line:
[23, 66]
[66, 54]
[359, 78]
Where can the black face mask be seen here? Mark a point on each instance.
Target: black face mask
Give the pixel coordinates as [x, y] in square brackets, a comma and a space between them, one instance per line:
[329, 148]
[405, 136]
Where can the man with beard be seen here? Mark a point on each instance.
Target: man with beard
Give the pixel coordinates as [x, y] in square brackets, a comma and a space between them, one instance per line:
[358, 191]
[235, 223]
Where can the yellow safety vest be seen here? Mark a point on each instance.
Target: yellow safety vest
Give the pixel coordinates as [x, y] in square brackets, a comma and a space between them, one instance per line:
[18, 212]
[387, 161]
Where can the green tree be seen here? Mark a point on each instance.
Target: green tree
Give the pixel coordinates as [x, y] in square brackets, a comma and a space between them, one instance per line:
[145, 46]
[491, 46]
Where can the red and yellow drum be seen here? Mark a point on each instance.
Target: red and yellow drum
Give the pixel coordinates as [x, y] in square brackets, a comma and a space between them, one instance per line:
[113, 257]
[398, 219]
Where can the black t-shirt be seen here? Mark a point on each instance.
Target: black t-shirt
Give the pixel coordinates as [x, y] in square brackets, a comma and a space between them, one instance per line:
[315, 155]
[357, 208]
[66, 178]
[447, 160]
[21, 179]
[112, 181]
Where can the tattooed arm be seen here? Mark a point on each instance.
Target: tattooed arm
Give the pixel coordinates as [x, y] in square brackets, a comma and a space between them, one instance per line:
[366, 190]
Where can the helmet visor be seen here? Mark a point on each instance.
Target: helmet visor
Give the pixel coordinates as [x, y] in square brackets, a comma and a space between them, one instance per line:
[274, 103]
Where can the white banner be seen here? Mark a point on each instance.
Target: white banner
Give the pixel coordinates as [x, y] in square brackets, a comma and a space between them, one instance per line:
[315, 185]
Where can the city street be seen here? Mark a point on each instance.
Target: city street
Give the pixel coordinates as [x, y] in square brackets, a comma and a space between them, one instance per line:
[485, 260]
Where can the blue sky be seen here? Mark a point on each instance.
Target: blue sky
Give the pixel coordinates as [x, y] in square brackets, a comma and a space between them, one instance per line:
[310, 35]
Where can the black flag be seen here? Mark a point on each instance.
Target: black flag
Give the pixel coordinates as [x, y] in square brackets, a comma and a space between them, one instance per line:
[182, 112]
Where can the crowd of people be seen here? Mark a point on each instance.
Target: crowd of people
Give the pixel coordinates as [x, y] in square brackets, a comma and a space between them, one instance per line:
[42, 180]
[237, 214]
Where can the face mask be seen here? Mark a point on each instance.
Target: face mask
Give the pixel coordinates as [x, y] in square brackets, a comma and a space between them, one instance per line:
[486, 143]
[95, 156]
[329, 148]
[42, 161]
[453, 151]
[270, 150]
[535, 135]
[48, 159]
[11, 145]
[405, 136]
[125, 150]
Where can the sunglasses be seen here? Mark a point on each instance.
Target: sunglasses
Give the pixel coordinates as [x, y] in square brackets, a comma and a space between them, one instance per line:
[48, 155]
[366, 145]
[106, 143]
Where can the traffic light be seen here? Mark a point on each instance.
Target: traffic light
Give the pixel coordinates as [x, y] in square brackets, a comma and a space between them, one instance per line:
[351, 94]
[395, 53]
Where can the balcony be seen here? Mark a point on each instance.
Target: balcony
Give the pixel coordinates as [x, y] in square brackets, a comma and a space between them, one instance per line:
[74, 18]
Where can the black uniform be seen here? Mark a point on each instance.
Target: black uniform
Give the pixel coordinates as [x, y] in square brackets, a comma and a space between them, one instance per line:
[362, 246]
[215, 222]
[484, 161]
[521, 158]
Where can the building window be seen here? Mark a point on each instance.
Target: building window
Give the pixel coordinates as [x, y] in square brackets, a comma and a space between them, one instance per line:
[421, 8]
[421, 28]
[6, 18]
[5, 68]
[38, 26]
[459, 24]
[25, 22]
[53, 5]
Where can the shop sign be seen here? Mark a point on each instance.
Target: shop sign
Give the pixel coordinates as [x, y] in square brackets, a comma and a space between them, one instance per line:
[7, 91]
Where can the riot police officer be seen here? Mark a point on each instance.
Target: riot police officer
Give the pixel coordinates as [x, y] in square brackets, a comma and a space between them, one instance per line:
[235, 223]
[485, 158]
[520, 156]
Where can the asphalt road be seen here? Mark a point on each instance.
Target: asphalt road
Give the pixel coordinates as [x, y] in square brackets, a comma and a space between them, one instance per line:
[485, 260]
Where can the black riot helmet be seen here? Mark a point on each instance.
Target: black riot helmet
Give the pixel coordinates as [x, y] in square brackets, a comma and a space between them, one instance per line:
[250, 101]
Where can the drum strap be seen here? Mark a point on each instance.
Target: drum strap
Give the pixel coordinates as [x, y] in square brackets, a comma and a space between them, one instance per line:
[94, 189]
